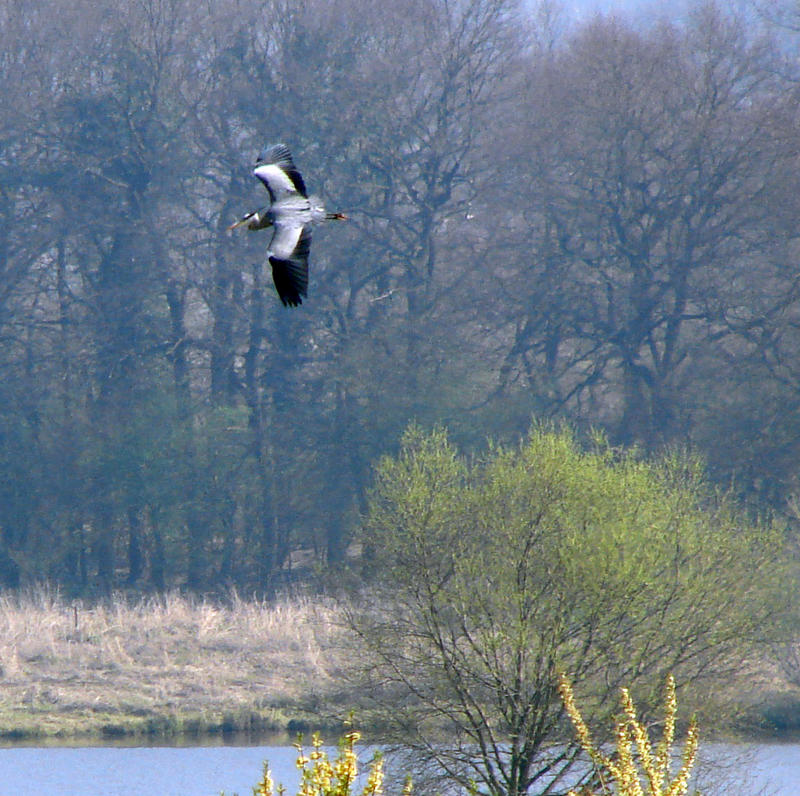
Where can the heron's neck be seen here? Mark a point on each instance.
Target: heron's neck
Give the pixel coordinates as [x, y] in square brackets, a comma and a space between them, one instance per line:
[260, 220]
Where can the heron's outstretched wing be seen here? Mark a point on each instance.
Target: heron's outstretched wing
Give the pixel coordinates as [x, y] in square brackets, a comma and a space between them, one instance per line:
[276, 169]
[288, 256]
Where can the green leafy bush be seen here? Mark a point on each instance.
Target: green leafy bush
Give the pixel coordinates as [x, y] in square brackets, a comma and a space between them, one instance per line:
[493, 574]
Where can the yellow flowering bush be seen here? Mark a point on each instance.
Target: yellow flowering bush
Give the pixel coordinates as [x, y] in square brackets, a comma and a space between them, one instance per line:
[620, 774]
[321, 776]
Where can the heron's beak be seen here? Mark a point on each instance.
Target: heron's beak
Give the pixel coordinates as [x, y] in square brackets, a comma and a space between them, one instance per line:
[238, 223]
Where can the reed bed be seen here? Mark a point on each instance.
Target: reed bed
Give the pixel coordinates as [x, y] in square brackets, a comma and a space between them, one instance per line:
[165, 665]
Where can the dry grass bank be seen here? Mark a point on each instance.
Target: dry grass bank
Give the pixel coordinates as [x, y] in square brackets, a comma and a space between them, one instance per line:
[163, 666]
[176, 666]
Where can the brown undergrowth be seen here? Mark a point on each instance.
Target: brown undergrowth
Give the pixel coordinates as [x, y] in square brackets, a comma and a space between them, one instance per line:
[165, 666]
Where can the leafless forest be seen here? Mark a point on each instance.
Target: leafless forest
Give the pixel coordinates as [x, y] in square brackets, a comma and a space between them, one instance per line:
[591, 221]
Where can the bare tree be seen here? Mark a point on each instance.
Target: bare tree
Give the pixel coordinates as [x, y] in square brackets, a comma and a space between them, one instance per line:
[658, 159]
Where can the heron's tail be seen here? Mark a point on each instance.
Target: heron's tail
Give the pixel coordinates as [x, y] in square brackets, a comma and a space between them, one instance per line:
[318, 212]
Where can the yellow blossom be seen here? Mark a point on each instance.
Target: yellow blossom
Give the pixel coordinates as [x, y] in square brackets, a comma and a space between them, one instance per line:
[634, 757]
[264, 787]
[321, 776]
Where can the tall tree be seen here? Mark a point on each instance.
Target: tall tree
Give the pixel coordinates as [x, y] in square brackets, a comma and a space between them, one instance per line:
[656, 161]
[495, 575]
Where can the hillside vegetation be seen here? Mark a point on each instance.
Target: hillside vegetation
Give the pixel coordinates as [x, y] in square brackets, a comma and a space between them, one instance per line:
[163, 667]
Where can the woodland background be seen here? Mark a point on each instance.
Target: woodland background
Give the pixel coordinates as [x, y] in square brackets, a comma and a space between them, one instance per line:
[588, 221]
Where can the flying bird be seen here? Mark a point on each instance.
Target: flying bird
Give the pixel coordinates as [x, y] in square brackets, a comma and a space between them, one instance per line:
[290, 213]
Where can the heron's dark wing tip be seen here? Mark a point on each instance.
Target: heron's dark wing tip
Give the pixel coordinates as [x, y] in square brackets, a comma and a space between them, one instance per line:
[291, 280]
[274, 153]
[290, 298]
[290, 274]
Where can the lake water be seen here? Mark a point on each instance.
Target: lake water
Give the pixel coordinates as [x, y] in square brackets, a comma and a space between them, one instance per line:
[206, 770]
[142, 771]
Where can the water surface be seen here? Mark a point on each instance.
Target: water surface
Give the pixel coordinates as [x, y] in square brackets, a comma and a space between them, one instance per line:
[142, 771]
[772, 769]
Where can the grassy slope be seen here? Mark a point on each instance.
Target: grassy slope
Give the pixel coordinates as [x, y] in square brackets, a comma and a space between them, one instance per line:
[175, 666]
[160, 667]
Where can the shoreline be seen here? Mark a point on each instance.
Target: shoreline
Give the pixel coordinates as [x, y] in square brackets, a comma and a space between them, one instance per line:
[209, 731]
[238, 726]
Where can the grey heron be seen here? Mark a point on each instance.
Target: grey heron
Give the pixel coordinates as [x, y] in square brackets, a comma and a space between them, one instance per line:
[290, 213]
